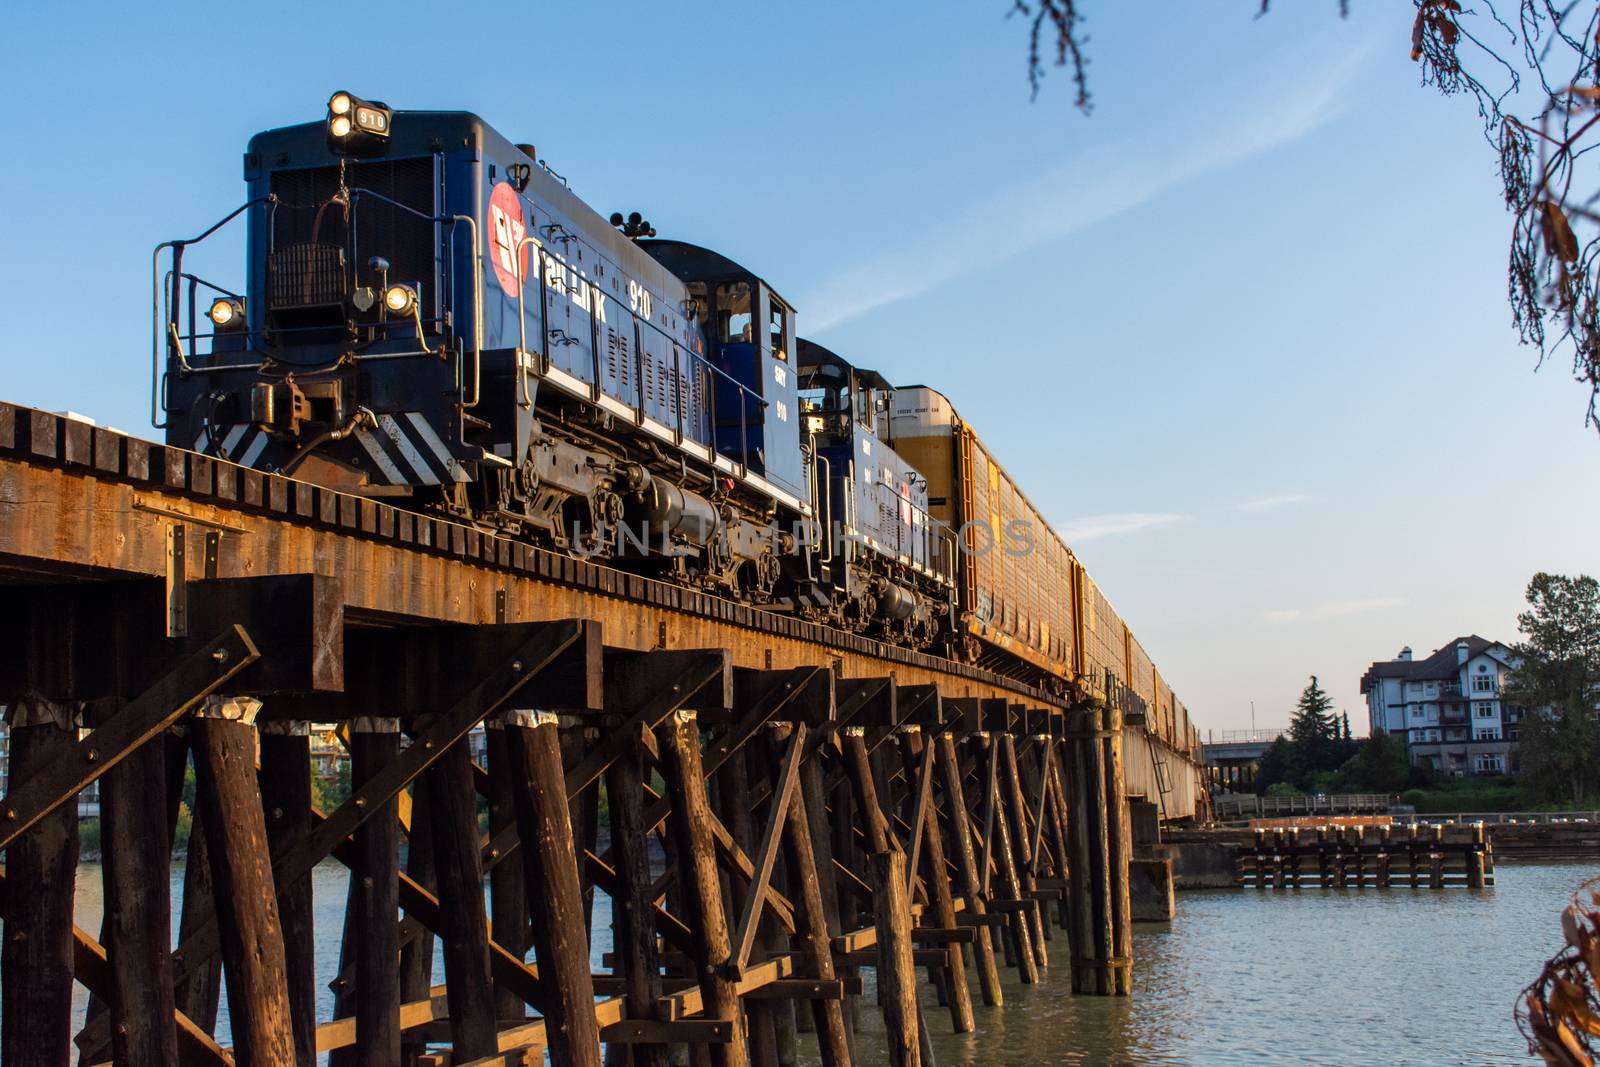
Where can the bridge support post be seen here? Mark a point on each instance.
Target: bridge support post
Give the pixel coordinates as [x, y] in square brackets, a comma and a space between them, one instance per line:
[967, 865]
[555, 896]
[922, 757]
[691, 819]
[1090, 886]
[372, 929]
[138, 917]
[241, 872]
[286, 798]
[36, 962]
[1119, 851]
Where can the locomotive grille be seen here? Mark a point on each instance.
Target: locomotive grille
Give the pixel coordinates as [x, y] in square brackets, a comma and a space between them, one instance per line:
[306, 275]
[409, 243]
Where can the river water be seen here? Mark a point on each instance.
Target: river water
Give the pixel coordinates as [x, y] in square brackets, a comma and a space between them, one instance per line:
[1309, 976]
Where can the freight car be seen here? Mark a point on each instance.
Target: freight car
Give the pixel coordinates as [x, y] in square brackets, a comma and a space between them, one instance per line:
[430, 314]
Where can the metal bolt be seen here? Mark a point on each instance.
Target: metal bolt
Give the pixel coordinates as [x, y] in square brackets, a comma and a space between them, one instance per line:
[90, 755]
[220, 655]
[11, 813]
[361, 802]
[516, 666]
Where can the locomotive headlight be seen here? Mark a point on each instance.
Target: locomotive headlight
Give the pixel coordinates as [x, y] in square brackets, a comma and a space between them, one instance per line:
[227, 313]
[358, 127]
[400, 299]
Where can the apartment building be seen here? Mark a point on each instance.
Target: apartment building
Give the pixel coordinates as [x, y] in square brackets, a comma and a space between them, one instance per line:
[1449, 707]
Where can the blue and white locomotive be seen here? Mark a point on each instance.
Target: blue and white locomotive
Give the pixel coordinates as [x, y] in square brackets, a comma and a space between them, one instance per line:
[431, 314]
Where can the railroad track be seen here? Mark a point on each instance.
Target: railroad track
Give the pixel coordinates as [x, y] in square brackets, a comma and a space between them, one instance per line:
[866, 805]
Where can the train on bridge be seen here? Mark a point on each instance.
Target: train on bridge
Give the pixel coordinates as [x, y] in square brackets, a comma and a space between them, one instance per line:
[431, 316]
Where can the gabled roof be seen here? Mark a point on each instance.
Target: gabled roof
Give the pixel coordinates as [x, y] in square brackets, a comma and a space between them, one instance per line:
[1442, 665]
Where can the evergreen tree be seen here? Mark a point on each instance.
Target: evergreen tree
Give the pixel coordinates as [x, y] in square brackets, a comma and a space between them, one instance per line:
[1312, 722]
[1344, 725]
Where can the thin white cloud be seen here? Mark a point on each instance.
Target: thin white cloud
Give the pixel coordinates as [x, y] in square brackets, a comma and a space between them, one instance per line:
[1094, 527]
[1268, 503]
[1335, 609]
[1087, 189]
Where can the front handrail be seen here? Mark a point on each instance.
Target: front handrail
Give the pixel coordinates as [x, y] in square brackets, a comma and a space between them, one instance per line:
[157, 333]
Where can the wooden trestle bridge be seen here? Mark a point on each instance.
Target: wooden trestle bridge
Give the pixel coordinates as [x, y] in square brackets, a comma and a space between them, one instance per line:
[826, 803]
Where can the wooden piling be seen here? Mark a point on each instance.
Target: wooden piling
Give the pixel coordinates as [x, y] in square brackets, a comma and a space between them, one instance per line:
[1015, 804]
[691, 820]
[555, 896]
[640, 961]
[508, 893]
[917, 750]
[813, 937]
[967, 866]
[896, 969]
[463, 924]
[1119, 851]
[41, 868]
[375, 900]
[286, 798]
[1090, 904]
[137, 928]
[253, 958]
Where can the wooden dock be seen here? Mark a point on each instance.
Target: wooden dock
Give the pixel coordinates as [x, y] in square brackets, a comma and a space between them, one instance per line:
[1367, 857]
[826, 803]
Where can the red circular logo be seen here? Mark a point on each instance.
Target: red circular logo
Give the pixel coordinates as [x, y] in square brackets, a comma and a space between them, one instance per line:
[507, 229]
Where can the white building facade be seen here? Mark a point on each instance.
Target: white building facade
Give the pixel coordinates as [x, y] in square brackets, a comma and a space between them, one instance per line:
[1449, 708]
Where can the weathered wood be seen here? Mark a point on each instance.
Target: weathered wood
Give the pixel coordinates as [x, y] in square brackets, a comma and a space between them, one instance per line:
[416, 939]
[733, 789]
[896, 959]
[463, 924]
[918, 751]
[1003, 856]
[52, 785]
[373, 917]
[138, 918]
[632, 906]
[1090, 886]
[36, 961]
[691, 820]
[813, 937]
[508, 892]
[199, 995]
[555, 901]
[1119, 851]
[1015, 805]
[966, 863]
[286, 797]
[246, 898]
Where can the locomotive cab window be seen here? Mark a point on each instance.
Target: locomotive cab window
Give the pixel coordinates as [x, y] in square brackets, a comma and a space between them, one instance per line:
[734, 322]
[777, 329]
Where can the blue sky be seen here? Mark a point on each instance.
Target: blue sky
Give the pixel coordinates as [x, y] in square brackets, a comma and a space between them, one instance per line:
[1242, 333]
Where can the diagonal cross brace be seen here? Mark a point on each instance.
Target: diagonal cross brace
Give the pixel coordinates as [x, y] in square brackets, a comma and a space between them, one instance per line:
[777, 819]
[143, 717]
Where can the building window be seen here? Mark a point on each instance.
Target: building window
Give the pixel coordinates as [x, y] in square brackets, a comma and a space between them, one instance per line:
[1484, 711]
[1487, 764]
[1486, 733]
[1433, 714]
[1482, 684]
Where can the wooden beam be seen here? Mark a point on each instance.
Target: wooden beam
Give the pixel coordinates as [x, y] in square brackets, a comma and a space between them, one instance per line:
[761, 880]
[43, 789]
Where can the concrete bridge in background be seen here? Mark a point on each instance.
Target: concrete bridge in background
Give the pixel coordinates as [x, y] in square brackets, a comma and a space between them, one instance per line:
[1230, 757]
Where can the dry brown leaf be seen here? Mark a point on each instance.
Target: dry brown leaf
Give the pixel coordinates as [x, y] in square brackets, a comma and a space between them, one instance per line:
[1559, 242]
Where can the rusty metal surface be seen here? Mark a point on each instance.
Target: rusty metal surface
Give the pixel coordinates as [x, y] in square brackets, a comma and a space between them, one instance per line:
[83, 502]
